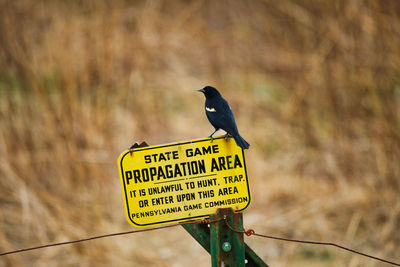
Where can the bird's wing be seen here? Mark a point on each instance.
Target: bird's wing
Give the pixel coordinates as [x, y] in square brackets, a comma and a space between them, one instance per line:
[220, 115]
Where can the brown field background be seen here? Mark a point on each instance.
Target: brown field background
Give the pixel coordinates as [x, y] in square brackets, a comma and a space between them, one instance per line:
[314, 86]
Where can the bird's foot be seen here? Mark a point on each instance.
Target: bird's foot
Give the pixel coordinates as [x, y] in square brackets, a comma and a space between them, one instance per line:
[211, 135]
[227, 135]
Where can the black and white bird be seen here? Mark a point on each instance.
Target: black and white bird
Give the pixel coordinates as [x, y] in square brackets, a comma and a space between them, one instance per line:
[220, 115]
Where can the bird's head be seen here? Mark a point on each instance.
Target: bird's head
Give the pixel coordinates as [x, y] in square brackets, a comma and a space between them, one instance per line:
[209, 91]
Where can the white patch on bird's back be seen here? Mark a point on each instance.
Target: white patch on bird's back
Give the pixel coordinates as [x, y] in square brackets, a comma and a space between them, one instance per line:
[211, 109]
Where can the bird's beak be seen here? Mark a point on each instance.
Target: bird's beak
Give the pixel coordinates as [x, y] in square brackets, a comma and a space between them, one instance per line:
[201, 90]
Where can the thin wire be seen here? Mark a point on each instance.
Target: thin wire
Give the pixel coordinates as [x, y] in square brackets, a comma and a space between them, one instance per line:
[82, 240]
[206, 221]
[252, 232]
[329, 244]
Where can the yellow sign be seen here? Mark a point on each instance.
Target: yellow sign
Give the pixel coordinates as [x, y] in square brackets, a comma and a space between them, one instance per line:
[183, 181]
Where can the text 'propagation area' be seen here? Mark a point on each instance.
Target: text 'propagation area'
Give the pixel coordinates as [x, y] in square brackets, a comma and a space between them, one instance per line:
[177, 182]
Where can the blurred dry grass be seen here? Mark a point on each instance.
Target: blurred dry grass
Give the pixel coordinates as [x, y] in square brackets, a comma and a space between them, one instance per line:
[315, 87]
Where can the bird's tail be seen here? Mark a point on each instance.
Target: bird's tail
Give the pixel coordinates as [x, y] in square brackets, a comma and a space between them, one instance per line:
[240, 141]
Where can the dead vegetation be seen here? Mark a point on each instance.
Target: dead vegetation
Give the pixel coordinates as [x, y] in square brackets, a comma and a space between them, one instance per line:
[315, 87]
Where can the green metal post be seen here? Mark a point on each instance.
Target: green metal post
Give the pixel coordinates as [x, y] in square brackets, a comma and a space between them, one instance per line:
[201, 233]
[227, 246]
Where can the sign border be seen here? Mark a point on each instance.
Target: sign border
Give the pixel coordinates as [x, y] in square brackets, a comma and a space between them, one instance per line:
[128, 214]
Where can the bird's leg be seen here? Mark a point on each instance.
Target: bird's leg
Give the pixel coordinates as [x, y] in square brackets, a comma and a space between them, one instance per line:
[211, 135]
[227, 135]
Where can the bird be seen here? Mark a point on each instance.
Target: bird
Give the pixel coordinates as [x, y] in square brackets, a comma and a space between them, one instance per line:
[220, 115]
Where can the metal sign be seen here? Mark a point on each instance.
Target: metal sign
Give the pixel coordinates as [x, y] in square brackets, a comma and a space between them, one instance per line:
[183, 181]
